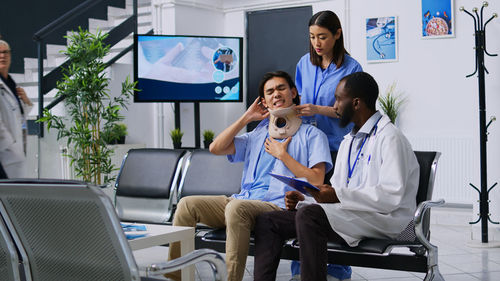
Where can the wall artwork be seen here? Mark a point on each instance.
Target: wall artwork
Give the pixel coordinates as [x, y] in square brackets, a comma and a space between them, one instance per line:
[437, 19]
[381, 39]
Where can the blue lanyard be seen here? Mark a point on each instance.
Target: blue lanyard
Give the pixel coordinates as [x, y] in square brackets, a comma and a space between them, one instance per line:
[351, 169]
[316, 92]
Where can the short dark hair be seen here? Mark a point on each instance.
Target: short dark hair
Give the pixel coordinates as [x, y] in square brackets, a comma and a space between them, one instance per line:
[329, 20]
[362, 85]
[268, 76]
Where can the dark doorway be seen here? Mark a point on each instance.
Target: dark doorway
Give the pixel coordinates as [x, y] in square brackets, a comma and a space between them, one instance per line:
[277, 39]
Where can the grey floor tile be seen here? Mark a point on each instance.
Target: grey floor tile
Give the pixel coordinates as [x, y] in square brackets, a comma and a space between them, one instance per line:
[380, 274]
[460, 277]
[487, 276]
[457, 261]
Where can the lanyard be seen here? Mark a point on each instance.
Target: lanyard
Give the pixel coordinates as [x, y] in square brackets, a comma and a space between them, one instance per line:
[316, 92]
[350, 170]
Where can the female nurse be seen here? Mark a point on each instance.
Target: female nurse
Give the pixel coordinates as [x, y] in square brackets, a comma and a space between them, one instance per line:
[319, 72]
[317, 75]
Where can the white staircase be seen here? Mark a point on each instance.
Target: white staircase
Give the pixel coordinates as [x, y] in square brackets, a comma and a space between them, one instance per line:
[29, 79]
[46, 153]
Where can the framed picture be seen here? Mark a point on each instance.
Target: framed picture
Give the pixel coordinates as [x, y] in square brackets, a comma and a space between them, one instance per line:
[437, 19]
[381, 39]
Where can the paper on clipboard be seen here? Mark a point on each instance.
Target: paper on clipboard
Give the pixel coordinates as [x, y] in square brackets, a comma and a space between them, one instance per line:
[296, 183]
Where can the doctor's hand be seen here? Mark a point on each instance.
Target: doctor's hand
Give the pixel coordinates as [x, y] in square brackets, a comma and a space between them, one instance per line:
[292, 198]
[276, 148]
[23, 96]
[325, 194]
[306, 109]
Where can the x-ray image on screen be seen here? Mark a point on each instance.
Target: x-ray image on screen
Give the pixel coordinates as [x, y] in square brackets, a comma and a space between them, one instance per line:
[188, 68]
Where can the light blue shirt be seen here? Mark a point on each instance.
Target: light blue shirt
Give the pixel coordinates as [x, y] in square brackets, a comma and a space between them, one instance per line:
[317, 86]
[262, 177]
[309, 146]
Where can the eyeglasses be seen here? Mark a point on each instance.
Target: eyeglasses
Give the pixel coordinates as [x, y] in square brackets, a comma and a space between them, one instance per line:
[5, 52]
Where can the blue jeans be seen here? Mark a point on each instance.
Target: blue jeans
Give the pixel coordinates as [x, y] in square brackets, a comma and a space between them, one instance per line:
[338, 271]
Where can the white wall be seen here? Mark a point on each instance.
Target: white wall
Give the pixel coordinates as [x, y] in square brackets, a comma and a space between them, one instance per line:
[443, 104]
[442, 109]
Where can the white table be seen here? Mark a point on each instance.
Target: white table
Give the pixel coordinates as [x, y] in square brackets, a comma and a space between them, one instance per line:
[164, 234]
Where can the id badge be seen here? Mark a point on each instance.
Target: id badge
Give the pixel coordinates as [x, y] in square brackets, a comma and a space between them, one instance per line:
[310, 121]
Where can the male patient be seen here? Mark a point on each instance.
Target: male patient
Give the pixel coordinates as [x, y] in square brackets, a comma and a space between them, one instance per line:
[375, 183]
[296, 150]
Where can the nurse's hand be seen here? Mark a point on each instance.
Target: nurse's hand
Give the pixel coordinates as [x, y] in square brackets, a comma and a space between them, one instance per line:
[307, 109]
[292, 198]
[326, 194]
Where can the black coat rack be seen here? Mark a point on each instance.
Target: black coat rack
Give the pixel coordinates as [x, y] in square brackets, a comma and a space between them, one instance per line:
[480, 35]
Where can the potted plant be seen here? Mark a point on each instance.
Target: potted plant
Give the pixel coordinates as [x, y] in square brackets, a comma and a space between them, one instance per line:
[116, 135]
[176, 135]
[391, 102]
[208, 137]
[90, 110]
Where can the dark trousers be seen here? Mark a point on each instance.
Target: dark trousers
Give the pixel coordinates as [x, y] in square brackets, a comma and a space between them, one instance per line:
[310, 225]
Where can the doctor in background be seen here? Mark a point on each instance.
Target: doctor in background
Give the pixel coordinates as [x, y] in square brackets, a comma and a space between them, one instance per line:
[14, 107]
[374, 186]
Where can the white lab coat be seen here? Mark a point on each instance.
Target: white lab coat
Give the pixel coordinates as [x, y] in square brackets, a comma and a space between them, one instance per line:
[380, 199]
[12, 154]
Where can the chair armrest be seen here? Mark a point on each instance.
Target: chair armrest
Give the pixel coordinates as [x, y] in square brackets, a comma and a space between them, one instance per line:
[419, 232]
[423, 207]
[214, 258]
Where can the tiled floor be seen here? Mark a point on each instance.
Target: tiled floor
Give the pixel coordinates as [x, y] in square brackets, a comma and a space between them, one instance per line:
[457, 261]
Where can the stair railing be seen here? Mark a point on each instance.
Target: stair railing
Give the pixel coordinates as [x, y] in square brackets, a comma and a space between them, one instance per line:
[67, 22]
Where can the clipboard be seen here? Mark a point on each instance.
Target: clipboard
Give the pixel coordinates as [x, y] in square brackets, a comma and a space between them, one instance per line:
[296, 183]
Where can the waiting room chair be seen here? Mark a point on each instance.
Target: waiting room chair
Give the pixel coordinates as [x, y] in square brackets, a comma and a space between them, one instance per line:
[207, 174]
[70, 231]
[12, 267]
[146, 184]
[377, 253]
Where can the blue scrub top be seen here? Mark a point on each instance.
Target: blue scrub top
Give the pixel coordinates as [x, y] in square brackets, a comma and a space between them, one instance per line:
[317, 86]
[309, 146]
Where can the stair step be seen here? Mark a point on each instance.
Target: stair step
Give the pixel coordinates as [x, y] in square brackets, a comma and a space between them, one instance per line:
[140, 14]
[55, 57]
[140, 3]
[116, 12]
[95, 24]
[18, 77]
[55, 49]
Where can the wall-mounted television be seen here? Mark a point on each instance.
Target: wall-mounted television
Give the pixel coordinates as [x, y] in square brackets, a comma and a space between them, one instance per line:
[179, 68]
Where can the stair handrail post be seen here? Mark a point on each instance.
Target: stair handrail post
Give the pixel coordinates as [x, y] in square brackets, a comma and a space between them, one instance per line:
[136, 28]
[41, 55]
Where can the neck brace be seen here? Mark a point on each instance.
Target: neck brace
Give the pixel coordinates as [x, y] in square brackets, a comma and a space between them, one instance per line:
[283, 122]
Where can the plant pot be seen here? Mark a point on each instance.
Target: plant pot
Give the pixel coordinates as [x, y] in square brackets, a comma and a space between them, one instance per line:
[206, 143]
[177, 145]
[121, 140]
